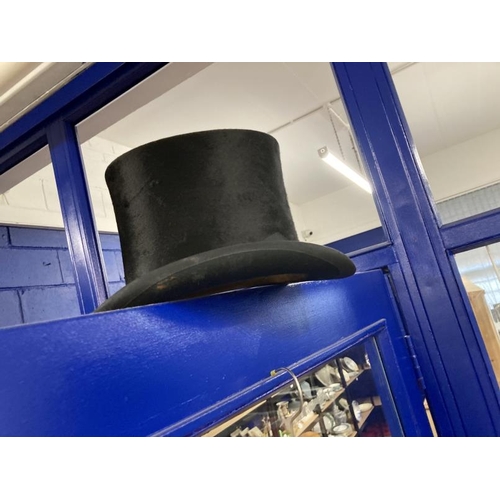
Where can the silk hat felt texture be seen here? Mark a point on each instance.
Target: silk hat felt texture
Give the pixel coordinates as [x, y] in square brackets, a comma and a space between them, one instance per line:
[207, 212]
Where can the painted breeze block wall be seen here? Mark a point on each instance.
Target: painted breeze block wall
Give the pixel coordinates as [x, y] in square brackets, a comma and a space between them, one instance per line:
[36, 275]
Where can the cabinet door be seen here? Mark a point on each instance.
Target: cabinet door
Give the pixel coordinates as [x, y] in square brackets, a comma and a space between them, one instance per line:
[347, 396]
[179, 369]
[305, 329]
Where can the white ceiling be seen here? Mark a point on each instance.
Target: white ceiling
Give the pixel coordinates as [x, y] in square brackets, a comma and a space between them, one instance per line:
[12, 72]
[258, 96]
[448, 103]
[23, 84]
[445, 103]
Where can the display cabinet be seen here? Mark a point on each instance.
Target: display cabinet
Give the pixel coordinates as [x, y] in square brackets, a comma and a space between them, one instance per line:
[219, 365]
[340, 399]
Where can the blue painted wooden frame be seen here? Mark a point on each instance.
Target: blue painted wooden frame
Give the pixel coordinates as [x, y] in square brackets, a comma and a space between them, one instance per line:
[473, 232]
[202, 422]
[447, 340]
[53, 122]
[376, 257]
[138, 371]
[459, 236]
[76, 207]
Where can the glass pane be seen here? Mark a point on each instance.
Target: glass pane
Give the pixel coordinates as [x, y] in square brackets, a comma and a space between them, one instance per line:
[297, 103]
[340, 399]
[480, 271]
[453, 110]
[36, 274]
[97, 154]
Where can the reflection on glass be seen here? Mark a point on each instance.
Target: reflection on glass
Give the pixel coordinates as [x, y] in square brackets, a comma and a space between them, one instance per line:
[480, 271]
[97, 154]
[339, 399]
[453, 110]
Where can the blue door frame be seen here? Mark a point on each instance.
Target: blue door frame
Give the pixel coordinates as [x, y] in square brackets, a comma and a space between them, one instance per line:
[460, 386]
[451, 352]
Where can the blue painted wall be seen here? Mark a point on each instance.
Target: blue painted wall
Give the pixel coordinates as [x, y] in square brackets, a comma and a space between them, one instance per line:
[36, 276]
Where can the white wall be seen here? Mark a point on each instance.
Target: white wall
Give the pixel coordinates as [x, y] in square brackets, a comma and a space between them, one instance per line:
[97, 154]
[34, 201]
[340, 214]
[464, 167]
[297, 219]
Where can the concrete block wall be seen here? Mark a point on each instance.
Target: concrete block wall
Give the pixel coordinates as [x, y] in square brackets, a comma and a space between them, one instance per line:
[33, 201]
[36, 275]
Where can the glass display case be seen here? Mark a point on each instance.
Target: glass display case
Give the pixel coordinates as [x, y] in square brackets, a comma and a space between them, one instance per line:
[338, 399]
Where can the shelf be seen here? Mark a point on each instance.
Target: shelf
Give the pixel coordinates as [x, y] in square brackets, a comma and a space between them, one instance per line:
[313, 418]
[364, 416]
[217, 430]
[307, 422]
[351, 380]
[330, 402]
[361, 423]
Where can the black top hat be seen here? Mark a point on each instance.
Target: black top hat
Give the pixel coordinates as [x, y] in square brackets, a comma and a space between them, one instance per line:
[207, 212]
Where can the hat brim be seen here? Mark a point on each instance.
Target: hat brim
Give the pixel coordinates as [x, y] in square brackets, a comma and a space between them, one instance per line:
[231, 268]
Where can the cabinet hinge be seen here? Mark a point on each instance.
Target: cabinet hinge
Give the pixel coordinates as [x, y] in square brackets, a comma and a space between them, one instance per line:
[416, 365]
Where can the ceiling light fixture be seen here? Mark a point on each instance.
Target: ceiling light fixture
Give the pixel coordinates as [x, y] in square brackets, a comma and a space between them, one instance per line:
[342, 168]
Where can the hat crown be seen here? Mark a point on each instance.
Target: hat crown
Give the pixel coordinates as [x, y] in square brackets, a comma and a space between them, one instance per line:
[188, 194]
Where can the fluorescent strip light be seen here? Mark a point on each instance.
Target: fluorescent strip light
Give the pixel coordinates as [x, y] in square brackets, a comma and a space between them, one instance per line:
[342, 168]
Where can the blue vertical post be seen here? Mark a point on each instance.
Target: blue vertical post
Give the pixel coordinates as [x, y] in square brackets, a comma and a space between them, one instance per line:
[448, 344]
[83, 239]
